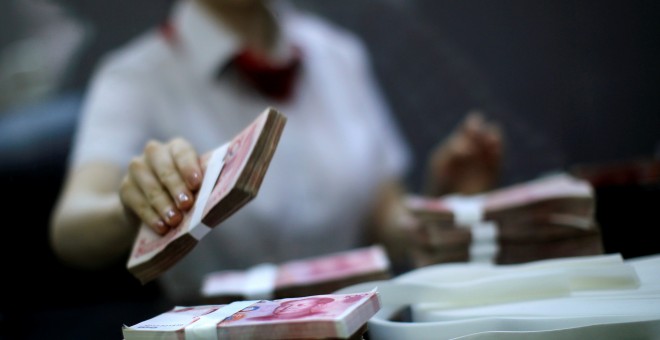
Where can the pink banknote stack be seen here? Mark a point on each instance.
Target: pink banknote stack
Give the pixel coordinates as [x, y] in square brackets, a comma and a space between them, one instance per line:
[548, 217]
[330, 316]
[311, 276]
[233, 175]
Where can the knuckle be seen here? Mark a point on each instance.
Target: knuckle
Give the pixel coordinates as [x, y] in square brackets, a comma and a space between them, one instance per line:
[168, 175]
[178, 152]
[155, 194]
[180, 149]
[142, 208]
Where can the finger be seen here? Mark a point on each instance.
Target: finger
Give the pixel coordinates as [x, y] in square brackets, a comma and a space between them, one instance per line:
[187, 161]
[162, 164]
[154, 191]
[489, 132]
[473, 123]
[467, 146]
[418, 235]
[134, 200]
[468, 138]
[491, 141]
[485, 138]
[460, 145]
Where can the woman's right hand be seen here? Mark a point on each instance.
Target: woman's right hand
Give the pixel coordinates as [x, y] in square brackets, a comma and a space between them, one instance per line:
[160, 184]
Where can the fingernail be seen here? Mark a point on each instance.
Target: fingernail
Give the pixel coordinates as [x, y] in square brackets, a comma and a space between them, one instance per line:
[195, 179]
[161, 226]
[171, 214]
[183, 198]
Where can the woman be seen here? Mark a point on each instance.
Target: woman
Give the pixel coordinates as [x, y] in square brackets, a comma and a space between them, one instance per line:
[183, 89]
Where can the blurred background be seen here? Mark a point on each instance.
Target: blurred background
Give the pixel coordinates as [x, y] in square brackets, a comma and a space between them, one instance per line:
[574, 85]
[569, 82]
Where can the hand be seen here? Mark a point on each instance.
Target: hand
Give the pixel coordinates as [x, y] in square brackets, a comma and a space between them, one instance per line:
[160, 183]
[468, 161]
[436, 242]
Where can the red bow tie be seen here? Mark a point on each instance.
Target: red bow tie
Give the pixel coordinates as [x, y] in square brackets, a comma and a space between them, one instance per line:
[273, 80]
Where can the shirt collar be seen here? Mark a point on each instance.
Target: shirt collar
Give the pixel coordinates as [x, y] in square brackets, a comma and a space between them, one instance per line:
[207, 43]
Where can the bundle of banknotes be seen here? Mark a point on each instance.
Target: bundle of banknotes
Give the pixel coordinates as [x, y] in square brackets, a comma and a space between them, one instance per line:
[322, 274]
[233, 175]
[330, 316]
[548, 217]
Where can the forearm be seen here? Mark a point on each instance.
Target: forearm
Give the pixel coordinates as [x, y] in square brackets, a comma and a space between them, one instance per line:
[92, 232]
[386, 223]
[89, 227]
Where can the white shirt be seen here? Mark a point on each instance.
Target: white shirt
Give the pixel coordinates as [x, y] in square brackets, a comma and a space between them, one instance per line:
[339, 143]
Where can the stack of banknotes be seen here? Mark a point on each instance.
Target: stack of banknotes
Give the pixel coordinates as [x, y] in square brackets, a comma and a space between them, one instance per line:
[232, 177]
[311, 276]
[330, 316]
[548, 217]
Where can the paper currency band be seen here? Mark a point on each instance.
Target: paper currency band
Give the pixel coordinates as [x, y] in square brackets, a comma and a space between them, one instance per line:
[260, 282]
[602, 328]
[467, 209]
[469, 213]
[214, 166]
[206, 327]
[484, 245]
[485, 284]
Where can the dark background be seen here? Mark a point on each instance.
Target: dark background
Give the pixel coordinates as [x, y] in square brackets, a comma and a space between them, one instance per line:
[570, 82]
